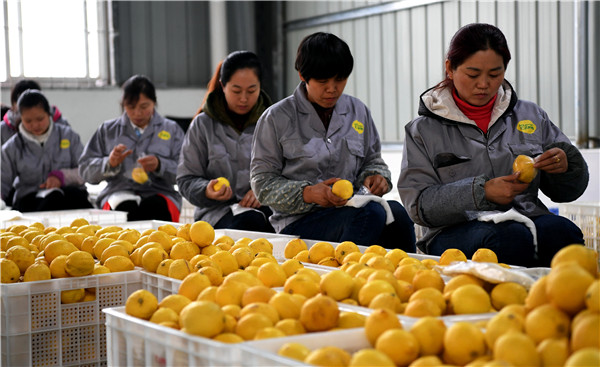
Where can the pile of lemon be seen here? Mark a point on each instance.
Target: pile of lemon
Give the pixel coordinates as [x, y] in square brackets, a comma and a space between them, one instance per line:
[261, 312]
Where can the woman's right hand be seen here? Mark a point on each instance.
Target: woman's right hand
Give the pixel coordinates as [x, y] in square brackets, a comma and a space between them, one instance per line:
[118, 155]
[321, 194]
[502, 190]
[224, 194]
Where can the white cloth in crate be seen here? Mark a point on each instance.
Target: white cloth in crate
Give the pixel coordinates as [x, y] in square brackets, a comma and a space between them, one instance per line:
[238, 209]
[358, 201]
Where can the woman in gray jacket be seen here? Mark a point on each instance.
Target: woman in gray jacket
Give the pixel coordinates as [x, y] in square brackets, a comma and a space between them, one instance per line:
[218, 144]
[458, 156]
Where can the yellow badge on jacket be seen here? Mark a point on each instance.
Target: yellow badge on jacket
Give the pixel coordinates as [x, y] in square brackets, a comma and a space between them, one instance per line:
[526, 126]
[65, 143]
[358, 126]
[164, 135]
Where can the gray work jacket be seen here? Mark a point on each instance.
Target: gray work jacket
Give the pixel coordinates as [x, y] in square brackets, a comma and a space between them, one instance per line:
[447, 160]
[291, 150]
[161, 138]
[26, 164]
[212, 149]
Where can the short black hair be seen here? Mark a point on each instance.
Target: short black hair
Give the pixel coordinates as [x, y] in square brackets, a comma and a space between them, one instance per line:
[323, 56]
[33, 98]
[136, 85]
[239, 60]
[22, 86]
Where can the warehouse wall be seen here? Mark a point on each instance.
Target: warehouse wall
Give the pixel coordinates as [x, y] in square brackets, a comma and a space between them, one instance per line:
[399, 49]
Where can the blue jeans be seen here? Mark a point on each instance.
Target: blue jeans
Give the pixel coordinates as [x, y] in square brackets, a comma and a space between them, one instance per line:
[511, 241]
[364, 226]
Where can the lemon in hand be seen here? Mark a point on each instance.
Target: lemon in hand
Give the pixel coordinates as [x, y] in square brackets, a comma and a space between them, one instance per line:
[343, 189]
[524, 164]
[220, 182]
[139, 175]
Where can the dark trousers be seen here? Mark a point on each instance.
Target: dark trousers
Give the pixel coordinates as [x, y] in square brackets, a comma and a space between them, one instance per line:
[150, 208]
[70, 198]
[248, 221]
[511, 241]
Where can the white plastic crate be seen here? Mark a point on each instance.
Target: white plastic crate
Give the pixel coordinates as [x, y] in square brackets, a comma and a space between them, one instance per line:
[61, 218]
[587, 217]
[187, 212]
[133, 341]
[12, 217]
[38, 330]
[159, 285]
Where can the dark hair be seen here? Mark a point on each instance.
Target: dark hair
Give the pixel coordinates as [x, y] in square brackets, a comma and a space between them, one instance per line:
[323, 56]
[233, 62]
[22, 86]
[472, 38]
[136, 85]
[33, 98]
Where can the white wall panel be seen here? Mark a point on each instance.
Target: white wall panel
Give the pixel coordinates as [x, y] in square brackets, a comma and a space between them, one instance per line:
[407, 100]
[525, 52]
[375, 68]
[389, 73]
[549, 61]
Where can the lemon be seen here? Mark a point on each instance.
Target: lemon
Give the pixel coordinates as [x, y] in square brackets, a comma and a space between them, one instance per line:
[586, 333]
[463, 342]
[164, 315]
[202, 318]
[319, 251]
[230, 293]
[214, 274]
[485, 255]
[586, 257]
[141, 304]
[431, 294]
[37, 271]
[208, 294]
[352, 257]
[343, 189]
[553, 351]
[344, 249]
[422, 307]
[226, 262]
[378, 322]
[592, 296]
[258, 293]
[244, 277]
[508, 293]
[72, 296]
[546, 321]
[176, 302]
[429, 333]
[98, 269]
[451, 255]
[220, 182]
[269, 332]
[396, 255]
[386, 300]
[319, 313]
[100, 245]
[427, 361]
[291, 266]
[192, 285]
[250, 324]
[584, 358]
[458, 281]
[163, 267]
[9, 270]
[524, 164]
[301, 284]
[370, 357]
[152, 258]
[302, 256]
[328, 356]
[398, 344]
[427, 278]
[348, 320]
[502, 323]
[407, 272]
[373, 288]
[202, 233]
[337, 284]
[79, 263]
[294, 350]
[537, 294]
[21, 256]
[567, 285]
[517, 349]
[380, 262]
[58, 247]
[179, 269]
[184, 250]
[287, 305]
[139, 175]
[119, 263]
[470, 299]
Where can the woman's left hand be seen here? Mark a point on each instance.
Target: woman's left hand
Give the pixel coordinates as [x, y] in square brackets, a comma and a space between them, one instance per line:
[149, 162]
[553, 160]
[377, 184]
[249, 200]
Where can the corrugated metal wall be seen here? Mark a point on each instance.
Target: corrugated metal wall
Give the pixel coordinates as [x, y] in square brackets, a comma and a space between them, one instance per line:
[399, 53]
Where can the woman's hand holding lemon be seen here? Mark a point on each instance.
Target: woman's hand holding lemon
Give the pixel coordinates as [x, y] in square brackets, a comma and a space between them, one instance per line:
[321, 194]
[219, 189]
[553, 160]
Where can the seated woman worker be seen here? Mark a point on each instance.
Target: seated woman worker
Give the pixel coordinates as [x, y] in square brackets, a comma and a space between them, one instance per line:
[313, 138]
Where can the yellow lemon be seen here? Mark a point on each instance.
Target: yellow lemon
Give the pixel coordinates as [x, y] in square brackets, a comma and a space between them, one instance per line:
[386, 300]
[163, 267]
[451, 255]
[422, 307]
[328, 356]
[184, 250]
[163, 238]
[113, 250]
[261, 245]
[302, 256]
[257, 293]
[567, 285]
[164, 315]
[202, 318]
[370, 357]
[485, 255]
[396, 255]
[119, 263]
[10, 272]
[378, 322]
[141, 304]
[269, 332]
[21, 256]
[502, 323]
[220, 182]
[470, 299]
[373, 288]
[262, 308]
[288, 306]
[301, 284]
[100, 245]
[508, 293]
[319, 313]
[458, 281]
[427, 278]
[58, 267]
[152, 258]
[524, 164]
[463, 342]
[37, 271]
[58, 247]
[348, 320]
[537, 294]
[592, 296]
[429, 332]
[202, 233]
[584, 358]
[294, 350]
[176, 302]
[586, 257]
[427, 361]
[75, 238]
[586, 333]
[337, 284]
[319, 251]
[343, 189]
[226, 262]
[230, 293]
[229, 338]
[291, 266]
[179, 269]
[293, 247]
[79, 263]
[72, 296]
[553, 351]
[517, 349]
[250, 324]
[139, 175]
[214, 274]
[546, 321]
[193, 284]
[398, 344]
[98, 269]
